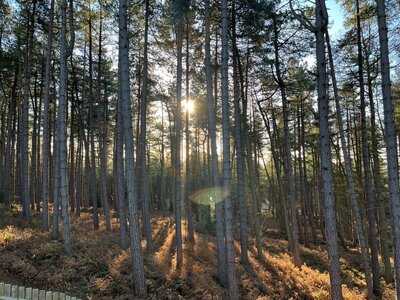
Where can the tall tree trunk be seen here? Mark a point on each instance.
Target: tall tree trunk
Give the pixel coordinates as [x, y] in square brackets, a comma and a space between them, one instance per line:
[33, 177]
[287, 160]
[350, 178]
[143, 186]
[24, 147]
[378, 181]
[178, 130]
[240, 166]
[325, 152]
[126, 112]
[56, 179]
[120, 180]
[277, 167]
[11, 130]
[211, 108]
[390, 138]
[369, 192]
[62, 131]
[164, 201]
[90, 137]
[78, 176]
[187, 138]
[230, 252]
[103, 133]
[72, 166]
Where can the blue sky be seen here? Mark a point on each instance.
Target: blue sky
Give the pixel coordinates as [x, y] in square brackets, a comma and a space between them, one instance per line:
[336, 18]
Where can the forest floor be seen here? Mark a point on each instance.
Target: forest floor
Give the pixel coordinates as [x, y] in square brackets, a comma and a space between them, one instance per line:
[100, 269]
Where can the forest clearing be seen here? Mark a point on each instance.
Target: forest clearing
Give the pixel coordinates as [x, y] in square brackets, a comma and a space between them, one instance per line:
[200, 149]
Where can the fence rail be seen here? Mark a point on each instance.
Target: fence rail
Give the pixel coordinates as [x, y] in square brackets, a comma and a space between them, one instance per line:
[12, 292]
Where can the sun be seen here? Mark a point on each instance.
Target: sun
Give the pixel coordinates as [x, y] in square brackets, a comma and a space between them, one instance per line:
[188, 106]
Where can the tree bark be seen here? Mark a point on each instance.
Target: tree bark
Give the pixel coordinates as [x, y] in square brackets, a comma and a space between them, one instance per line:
[124, 92]
[325, 152]
[90, 137]
[240, 153]
[378, 181]
[187, 143]
[287, 160]
[369, 192]
[144, 198]
[178, 130]
[103, 134]
[230, 252]
[24, 147]
[350, 178]
[211, 108]
[390, 138]
[62, 132]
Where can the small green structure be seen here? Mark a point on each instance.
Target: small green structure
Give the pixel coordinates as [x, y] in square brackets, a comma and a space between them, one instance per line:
[13, 292]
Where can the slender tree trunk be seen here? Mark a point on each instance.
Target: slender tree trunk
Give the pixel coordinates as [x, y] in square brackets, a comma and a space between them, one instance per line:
[9, 151]
[178, 130]
[164, 202]
[126, 112]
[90, 137]
[120, 180]
[32, 175]
[350, 178]
[187, 138]
[325, 152]
[230, 252]
[211, 108]
[72, 166]
[390, 138]
[378, 181]
[103, 134]
[240, 166]
[78, 176]
[144, 198]
[24, 147]
[369, 192]
[61, 132]
[287, 160]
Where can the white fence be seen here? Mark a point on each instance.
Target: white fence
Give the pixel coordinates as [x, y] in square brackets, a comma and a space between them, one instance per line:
[12, 292]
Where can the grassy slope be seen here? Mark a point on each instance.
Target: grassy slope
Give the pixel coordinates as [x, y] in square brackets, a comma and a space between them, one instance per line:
[99, 269]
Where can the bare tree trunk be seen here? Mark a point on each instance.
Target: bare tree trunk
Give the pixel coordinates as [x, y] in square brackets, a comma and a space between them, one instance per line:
[369, 192]
[164, 202]
[390, 138]
[325, 152]
[78, 176]
[378, 181]
[90, 137]
[350, 178]
[120, 180]
[56, 178]
[33, 167]
[143, 186]
[230, 252]
[178, 130]
[103, 133]
[221, 253]
[24, 147]
[240, 153]
[187, 138]
[9, 151]
[287, 160]
[72, 166]
[61, 132]
[126, 112]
